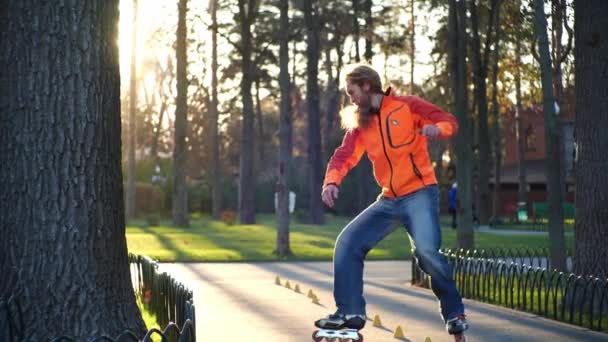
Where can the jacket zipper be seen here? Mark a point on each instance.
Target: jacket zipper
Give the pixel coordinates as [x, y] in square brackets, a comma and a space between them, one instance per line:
[390, 165]
[416, 170]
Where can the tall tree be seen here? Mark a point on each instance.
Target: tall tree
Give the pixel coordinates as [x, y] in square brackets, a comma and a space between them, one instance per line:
[130, 195]
[497, 136]
[480, 67]
[457, 34]
[216, 190]
[315, 164]
[180, 152]
[247, 14]
[522, 190]
[557, 245]
[591, 66]
[63, 255]
[283, 248]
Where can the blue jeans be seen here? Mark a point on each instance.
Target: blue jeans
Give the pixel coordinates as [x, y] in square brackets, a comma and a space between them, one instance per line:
[418, 212]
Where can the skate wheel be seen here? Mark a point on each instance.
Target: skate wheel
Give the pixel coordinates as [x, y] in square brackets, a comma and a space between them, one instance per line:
[360, 337]
[315, 338]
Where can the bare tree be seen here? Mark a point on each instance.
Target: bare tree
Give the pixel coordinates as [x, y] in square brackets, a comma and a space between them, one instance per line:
[63, 252]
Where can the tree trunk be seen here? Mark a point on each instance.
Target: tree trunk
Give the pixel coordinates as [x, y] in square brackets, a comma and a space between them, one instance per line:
[356, 29]
[180, 151]
[412, 45]
[480, 67]
[130, 204]
[462, 141]
[315, 164]
[283, 248]
[63, 255]
[157, 130]
[260, 120]
[369, 32]
[522, 193]
[247, 11]
[590, 234]
[560, 54]
[557, 243]
[496, 118]
[216, 184]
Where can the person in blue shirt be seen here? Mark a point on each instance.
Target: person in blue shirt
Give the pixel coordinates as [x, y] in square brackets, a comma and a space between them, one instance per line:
[452, 203]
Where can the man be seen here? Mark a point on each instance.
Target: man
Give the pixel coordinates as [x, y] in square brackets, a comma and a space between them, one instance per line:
[393, 131]
[452, 203]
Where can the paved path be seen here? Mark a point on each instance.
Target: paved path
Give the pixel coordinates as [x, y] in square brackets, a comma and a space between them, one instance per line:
[240, 302]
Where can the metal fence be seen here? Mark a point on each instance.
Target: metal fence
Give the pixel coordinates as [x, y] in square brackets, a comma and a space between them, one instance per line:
[522, 279]
[170, 301]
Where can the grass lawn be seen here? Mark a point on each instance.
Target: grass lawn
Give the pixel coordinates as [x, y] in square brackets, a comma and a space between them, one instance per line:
[208, 240]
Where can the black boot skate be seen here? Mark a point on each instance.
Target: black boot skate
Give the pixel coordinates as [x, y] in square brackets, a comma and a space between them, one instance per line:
[457, 326]
[340, 327]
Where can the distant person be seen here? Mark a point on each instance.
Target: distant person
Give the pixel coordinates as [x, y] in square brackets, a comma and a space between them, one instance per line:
[394, 131]
[453, 203]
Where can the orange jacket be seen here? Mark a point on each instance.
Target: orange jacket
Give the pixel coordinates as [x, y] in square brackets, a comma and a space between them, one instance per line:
[398, 152]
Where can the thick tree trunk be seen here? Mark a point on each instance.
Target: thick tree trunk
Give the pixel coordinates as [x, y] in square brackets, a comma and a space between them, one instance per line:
[315, 164]
[216, 187]
[591, 65]
[180, 151]
[283, 248]
[557, 243]
[130, 204]
[462, 141]
[247, 11]
[63, 254]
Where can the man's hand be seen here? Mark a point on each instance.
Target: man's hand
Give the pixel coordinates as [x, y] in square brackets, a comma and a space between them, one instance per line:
[430, 131]
[329, 194]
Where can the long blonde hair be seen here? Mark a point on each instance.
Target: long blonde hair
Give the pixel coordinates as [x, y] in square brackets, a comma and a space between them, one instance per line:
[358, 74]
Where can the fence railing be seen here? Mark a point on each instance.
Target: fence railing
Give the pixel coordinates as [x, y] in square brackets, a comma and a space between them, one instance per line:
[169, 300]
[515, 279]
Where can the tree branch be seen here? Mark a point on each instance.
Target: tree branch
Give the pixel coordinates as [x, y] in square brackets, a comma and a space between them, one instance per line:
[570, 36]
[236, 45]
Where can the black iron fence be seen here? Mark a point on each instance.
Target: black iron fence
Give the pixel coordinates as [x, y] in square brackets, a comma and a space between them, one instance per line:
[170, 301]
[523, 280]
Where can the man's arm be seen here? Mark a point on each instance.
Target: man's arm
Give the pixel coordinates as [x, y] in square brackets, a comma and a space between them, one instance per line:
[427, 113]
[345, 157]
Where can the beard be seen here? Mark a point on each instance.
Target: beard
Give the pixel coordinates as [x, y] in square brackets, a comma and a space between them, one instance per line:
[366, 111]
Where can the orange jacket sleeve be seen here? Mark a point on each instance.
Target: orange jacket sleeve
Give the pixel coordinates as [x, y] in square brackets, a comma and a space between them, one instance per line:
[428, 113]
[345, 157]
